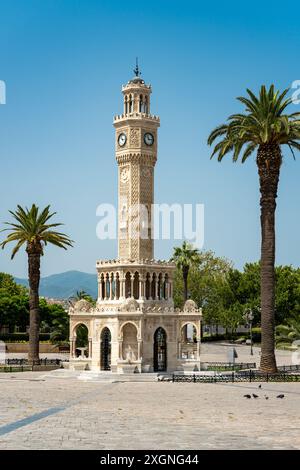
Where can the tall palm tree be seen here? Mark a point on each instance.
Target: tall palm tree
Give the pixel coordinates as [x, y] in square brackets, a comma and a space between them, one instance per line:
[185, 256]
[265, 126]
[31, 227]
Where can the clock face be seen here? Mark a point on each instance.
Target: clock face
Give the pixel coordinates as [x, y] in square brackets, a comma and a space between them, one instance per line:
[148, 138]
[122, 139]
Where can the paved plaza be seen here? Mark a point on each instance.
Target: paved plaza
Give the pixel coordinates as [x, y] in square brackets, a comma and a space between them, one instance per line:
[45, 410]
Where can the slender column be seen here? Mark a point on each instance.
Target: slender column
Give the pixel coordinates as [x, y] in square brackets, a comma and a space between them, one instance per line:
[90, 348]
[122, 288]
[105, 288]
[179, 350]
[198, 348]
[170, 290]
[167, 290]
[150, 287]
[99, 287]
[141, 288]
[139, 349]
[72, 347]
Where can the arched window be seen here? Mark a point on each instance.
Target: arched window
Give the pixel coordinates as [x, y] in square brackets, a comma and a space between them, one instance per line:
[148, 287]
[160, 350]
[141, 106]
[127, 285]
[113, 286]
[117, 286]
[166, 287]
[107, 287]
[189, 341]
[129, 343]
[105, 350]
[153, 287]
[146, 105]
[136, 285]
[130, 104]
[81, 342]
[102, 287]
[126, 104]
[160, 287]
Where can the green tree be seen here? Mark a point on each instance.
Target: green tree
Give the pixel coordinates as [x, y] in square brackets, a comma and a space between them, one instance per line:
[32, 228]
[9, 286]
[185, 257]
[264, 126]
[14, 311]
[287, 294]
[59, 324]
[206, 285]
[232, 317]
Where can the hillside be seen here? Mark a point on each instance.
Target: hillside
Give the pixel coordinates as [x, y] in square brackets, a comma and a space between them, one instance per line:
[65, 285]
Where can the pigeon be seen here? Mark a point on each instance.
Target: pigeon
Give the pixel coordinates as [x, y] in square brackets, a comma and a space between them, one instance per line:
[247, 396]
[259, 386]
[267, 398]
[254, 396]
[280, 396]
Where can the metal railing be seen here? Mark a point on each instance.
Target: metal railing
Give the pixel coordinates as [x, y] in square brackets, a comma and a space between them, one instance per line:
[292, 368]
[227, 365]
[40, 362]
[246, 376]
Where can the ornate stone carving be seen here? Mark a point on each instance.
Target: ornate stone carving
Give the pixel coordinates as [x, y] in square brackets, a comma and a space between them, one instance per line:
[83, 306]
[190, 306]
[131, 305]
[146, 172]
[124, 174]
[134, 137]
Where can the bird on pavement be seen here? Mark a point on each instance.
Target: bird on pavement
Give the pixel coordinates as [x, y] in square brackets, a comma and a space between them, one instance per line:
[254, 396]
[280, 396]
[259, 386]
[267, 398]
[247, 396]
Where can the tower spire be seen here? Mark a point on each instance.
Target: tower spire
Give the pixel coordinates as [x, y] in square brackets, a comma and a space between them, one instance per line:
[136, 71]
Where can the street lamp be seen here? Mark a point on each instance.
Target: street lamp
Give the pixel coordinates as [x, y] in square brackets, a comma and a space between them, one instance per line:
[248, 316]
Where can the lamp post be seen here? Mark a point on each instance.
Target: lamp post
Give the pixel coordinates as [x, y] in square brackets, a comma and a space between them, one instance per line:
[248, 316]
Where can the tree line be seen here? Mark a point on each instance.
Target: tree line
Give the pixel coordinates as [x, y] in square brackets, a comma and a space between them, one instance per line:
[224, 293]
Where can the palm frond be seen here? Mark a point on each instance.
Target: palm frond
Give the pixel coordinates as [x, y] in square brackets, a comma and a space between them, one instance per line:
[32, 228]
[262, 123]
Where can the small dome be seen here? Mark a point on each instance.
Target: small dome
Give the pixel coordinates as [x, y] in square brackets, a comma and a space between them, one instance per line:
[137, 80]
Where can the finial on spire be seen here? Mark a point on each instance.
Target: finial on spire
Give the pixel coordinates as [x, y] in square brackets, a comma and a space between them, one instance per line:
[137, 70]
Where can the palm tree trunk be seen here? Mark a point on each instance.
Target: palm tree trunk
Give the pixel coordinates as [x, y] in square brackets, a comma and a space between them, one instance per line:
[185, 274]
[268, 162]
[34, 256]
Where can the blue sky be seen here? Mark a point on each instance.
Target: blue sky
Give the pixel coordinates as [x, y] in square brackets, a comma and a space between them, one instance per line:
[64, 63]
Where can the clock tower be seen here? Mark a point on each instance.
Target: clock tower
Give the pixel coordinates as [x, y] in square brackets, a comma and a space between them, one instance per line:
[134, 326]
[136, 154]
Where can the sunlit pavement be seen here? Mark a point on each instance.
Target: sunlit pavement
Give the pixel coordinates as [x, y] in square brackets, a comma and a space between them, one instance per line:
[39, 410]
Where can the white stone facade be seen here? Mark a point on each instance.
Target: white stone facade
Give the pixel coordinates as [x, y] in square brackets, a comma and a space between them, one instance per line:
[134, 326]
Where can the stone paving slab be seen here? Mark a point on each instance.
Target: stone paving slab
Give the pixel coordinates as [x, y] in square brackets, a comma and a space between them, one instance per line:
[158, 415]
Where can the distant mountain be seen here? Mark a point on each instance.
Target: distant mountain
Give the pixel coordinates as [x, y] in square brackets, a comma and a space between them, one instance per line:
[65, 285]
